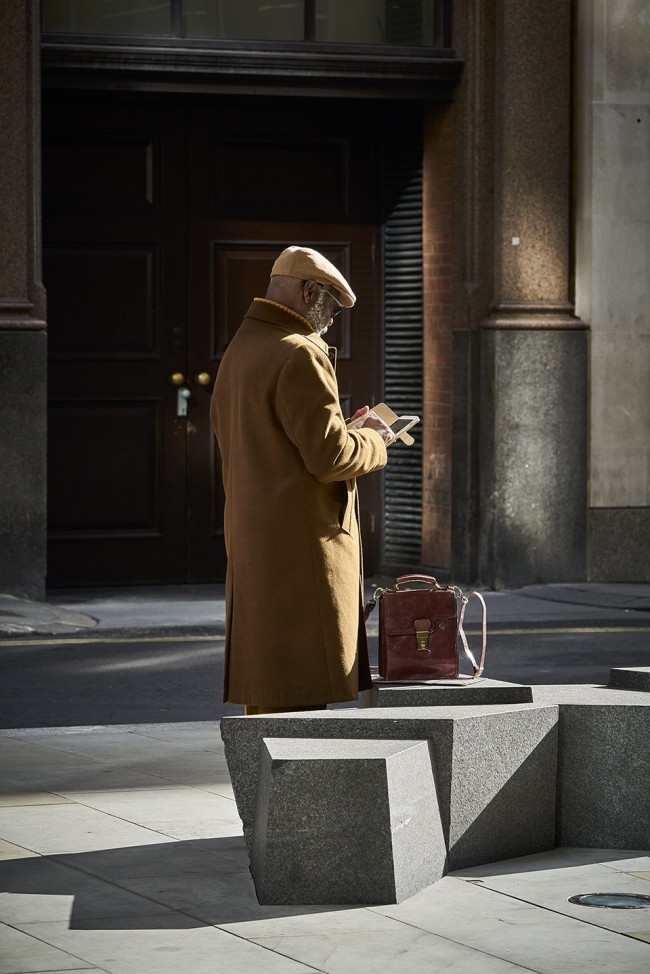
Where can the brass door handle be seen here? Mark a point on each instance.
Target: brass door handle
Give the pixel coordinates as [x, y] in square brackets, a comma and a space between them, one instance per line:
[177, 378]
[204, 378]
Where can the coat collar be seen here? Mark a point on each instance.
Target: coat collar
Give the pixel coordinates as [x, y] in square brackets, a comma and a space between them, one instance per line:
[278, 314]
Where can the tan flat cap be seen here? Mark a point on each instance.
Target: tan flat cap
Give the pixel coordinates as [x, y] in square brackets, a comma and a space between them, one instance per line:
[308, 265]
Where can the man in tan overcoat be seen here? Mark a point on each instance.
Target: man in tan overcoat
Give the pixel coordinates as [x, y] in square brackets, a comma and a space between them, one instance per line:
[295, 637]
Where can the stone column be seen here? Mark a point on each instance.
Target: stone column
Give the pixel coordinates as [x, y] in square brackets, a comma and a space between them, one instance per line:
[533, 408]
[22, 308]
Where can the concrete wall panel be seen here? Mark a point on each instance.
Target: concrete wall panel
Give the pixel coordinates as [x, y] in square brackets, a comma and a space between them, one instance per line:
[613, 274]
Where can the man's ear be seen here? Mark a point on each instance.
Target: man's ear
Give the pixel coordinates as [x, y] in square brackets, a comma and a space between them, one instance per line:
[309, 291]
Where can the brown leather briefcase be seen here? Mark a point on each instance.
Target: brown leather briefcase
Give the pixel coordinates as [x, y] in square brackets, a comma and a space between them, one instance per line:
[419, 630]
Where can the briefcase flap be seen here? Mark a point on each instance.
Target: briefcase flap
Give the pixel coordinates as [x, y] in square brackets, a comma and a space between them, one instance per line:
[402, 609]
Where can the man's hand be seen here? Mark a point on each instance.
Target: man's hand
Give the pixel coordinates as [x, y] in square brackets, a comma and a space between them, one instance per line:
[359, 413]
[372, 422]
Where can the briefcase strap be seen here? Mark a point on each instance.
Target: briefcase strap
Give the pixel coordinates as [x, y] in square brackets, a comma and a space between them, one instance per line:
[464, 599]
[477, 667]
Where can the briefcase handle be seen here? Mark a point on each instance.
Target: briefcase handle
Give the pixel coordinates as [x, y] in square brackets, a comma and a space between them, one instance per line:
[429, 580]
[426, 579]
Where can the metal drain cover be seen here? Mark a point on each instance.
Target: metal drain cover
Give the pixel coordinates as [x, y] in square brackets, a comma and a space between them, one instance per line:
[613, 901]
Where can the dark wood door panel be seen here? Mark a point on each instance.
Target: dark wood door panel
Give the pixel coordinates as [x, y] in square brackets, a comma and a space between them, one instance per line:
[114, 492]
[109, 493]
[103, 172]
[276, 180]
[114, 266]
[104, 301]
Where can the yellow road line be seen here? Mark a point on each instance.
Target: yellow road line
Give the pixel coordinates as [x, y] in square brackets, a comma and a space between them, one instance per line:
[568, 631]
[85, 640]
[541, 632]
[80, 640]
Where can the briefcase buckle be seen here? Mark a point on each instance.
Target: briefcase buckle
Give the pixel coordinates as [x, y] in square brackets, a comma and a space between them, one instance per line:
[422, 634]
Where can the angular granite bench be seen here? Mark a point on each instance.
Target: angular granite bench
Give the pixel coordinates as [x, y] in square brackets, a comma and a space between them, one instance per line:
[571, 768]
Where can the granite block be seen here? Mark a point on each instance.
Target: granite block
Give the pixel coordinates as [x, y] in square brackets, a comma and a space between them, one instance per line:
[491, 764]
[584, 693]
[477, 692]
[630, 678]
[533, 407]
[603, 774]
[345, 821]
[23, 437]
[603, 765]
[242, 737]
[503, 787]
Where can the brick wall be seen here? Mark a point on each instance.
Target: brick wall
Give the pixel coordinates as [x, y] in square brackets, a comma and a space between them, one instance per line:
[437, 351]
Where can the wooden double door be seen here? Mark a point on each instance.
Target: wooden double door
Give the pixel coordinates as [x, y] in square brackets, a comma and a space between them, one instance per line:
[161, 223]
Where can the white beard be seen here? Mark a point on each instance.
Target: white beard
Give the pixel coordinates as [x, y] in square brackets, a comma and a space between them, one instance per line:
[317, 317]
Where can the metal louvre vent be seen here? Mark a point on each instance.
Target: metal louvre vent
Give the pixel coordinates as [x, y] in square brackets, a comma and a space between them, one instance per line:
[403, 316]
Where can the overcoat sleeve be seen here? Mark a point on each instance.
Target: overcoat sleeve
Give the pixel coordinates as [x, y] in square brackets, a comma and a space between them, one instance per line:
[307, 406]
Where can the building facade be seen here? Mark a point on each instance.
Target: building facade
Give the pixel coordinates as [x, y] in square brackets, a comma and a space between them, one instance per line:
[478, 169]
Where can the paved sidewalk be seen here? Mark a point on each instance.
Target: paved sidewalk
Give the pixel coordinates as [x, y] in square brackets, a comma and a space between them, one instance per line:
[121, 852]
[121, 847]
[201, 608]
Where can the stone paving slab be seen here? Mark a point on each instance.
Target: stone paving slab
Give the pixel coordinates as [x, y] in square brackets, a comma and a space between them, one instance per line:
[548, 881]
[507, 921]
[628, 596]
[22, 617]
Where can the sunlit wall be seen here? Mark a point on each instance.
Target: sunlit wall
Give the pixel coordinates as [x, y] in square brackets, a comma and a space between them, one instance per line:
[613, 274]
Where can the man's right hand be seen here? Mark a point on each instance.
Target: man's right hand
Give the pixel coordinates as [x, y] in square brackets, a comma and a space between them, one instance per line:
[375, 423]
[372, 422]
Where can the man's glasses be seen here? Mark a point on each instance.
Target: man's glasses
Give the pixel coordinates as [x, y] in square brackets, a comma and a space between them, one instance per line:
[336, 300]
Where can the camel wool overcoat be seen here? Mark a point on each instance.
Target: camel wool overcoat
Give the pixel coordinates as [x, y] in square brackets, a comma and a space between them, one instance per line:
[289, 465]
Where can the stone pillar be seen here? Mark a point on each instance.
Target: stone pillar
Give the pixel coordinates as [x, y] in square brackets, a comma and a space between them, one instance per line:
[22, 308]
[533, 409]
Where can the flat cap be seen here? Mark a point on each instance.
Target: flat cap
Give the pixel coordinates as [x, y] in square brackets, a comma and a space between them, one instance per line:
[308, 265]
